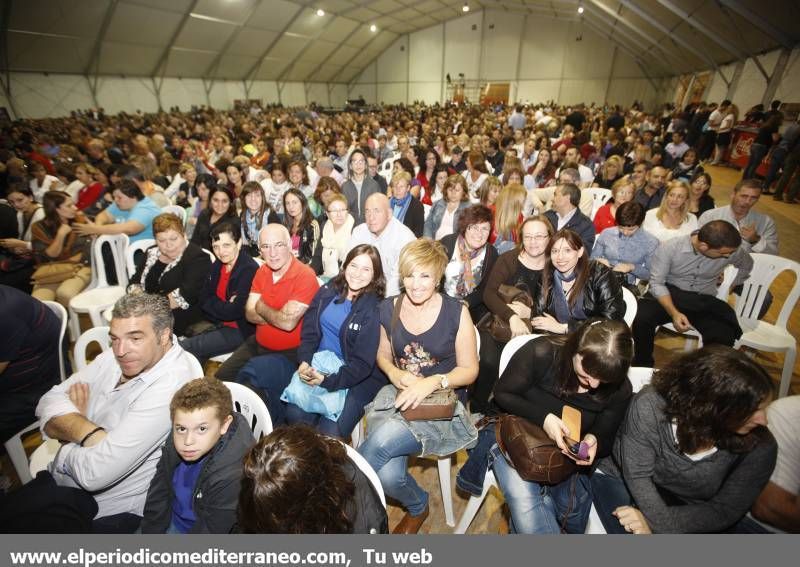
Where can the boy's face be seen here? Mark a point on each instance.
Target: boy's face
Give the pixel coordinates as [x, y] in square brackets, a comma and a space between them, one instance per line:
[195, 433]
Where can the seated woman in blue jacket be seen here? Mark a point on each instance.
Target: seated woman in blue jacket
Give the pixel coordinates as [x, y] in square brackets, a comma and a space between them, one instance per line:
[224, 294]
[342, 319]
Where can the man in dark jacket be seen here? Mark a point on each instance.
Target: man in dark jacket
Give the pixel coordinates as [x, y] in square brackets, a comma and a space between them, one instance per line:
[566, 214]
[197, 481]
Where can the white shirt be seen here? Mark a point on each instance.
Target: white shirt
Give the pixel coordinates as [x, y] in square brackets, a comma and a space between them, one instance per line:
[118, 470]
[655, 227]
[446, 226]
[50, 181]
[389, 243]
[473, 186]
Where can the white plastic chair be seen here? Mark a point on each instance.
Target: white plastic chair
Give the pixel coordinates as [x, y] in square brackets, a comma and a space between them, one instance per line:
[631, 306]
[100, 295]
[14, 447]
[600, 197]
[176, 210]
[723, 291]
[210, 255]
[130, 253]
[370, 473]
[61, 313]
[97, 335]
[474, 503]
[252, 407]
[766, 336]
[639, 376]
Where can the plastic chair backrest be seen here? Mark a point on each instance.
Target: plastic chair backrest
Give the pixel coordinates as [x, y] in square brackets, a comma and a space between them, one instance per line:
[511, 347]
[724, 289]
[600, 197]
[61, 313]
[368, 471]
[639, 376]
[130, 253]
[210, 255]
[767, 267]
[118, 244]
[97, 335]
[631, 306]
[252, 407]
[176, 210]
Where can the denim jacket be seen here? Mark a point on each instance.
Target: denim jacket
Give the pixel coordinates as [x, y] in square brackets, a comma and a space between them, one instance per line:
[435, 217]
[437, 437]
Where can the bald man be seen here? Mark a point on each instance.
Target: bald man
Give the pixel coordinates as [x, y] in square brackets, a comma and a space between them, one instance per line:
[281, 292]
[385, 233]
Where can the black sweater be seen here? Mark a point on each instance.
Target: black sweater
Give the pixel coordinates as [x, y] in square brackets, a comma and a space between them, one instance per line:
[529, 388]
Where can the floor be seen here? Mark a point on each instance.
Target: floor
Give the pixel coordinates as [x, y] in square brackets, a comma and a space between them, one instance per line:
[491, 517]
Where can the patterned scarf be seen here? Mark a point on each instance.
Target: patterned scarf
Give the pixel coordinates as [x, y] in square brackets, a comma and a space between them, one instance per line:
[466, 283]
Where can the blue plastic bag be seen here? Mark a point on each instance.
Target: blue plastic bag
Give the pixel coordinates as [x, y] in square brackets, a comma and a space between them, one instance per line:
[316, 399]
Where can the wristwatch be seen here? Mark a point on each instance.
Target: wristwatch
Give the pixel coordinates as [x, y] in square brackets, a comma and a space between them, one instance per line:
[444, 382]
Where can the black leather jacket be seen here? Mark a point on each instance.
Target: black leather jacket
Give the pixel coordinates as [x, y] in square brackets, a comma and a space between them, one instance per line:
[602, 297]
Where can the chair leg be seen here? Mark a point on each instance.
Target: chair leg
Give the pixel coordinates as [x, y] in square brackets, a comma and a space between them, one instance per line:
[447, 494]
[788, 369]
[474, 504]
[16, 452]
[74, 325]
[96, 315]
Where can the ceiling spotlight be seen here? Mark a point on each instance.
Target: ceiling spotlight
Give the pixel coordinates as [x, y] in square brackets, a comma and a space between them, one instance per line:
[580, 9]
[373, 28]
[465, 7]
[320, 12]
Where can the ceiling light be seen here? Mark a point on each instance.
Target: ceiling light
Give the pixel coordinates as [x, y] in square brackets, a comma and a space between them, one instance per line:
[580, 9]
[373, 28]
[465, 7]
[320, 12]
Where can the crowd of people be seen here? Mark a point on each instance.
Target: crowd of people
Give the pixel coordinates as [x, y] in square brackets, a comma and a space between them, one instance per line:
[354, 266]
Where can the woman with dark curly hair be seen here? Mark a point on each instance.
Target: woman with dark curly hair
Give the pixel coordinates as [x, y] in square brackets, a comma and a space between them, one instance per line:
[296, 481]
[693, 453]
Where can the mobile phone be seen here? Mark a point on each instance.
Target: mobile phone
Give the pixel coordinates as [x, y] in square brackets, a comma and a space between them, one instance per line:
[578, 449]
[572, 419]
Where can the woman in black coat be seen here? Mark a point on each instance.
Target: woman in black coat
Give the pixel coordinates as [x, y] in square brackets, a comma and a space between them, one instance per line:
[575, 288]
[224, 308]
[469, 247]
[174, 268]
[221, 208]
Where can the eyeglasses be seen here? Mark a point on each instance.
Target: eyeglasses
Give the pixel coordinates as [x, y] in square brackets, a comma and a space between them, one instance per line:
[337, 211]
[536, 237]
[479, 229]
[277, 246]
[361, 161]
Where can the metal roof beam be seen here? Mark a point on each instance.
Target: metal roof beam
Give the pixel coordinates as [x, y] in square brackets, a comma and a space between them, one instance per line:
[619, 44]
[252, 71]
[214, 66]
[692, 21]
[325, 61]
[305, 48]
[94, 59]
[162, 60]
[599, 9]
[753, 17]
[669, 33]
[370, 62]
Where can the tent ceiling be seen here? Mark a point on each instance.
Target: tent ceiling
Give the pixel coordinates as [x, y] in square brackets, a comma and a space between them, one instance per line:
[286, 40]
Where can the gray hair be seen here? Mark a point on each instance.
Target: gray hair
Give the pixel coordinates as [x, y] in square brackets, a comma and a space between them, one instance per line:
[325, 162]
[572, 173]
[141, 304]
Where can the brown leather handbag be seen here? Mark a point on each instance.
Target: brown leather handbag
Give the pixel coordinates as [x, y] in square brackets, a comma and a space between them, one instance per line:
[531, 452]
[439, 404]
[496, 325]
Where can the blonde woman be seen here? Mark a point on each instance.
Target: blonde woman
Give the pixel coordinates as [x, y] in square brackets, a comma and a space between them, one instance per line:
[508, 216]
[621, 192]
[672, 218]
[610, 173]
[335, 235]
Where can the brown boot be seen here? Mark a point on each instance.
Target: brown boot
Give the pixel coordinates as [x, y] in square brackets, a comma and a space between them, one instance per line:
[411, 524]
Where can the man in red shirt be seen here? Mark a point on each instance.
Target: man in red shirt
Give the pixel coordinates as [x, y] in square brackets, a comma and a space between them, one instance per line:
[281, 292]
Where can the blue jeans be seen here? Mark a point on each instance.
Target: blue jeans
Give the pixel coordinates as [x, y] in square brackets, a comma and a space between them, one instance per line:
[387, 450]
[351, 413]
[213, 343]
[471, 476]
[269, 374]
[542, 509]
[608, 494]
